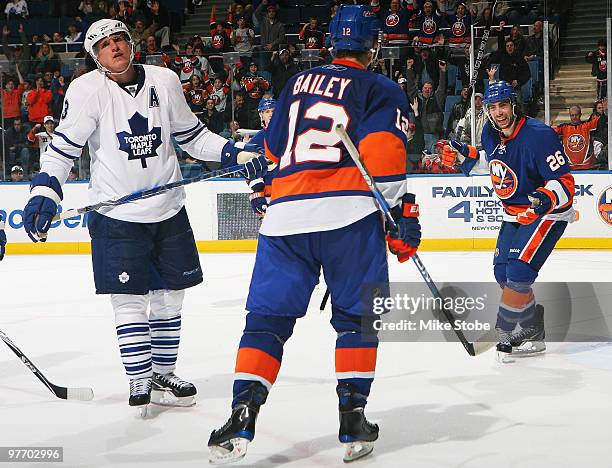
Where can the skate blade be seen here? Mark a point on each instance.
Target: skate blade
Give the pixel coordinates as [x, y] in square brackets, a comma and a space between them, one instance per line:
[504, 358]
[143, 411]
[528, 349]
[221, 456]
[356, 450]
[166, 398]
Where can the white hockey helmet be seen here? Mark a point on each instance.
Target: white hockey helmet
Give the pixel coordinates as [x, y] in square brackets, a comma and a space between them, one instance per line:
[101, 29]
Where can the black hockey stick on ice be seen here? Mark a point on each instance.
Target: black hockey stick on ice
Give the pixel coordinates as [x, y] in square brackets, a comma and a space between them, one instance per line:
[324, 301]
[473, 348]
[148, 192]
[65, 393]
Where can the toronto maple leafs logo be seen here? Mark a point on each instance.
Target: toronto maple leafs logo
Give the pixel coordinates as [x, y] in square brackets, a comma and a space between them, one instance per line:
[141, 143]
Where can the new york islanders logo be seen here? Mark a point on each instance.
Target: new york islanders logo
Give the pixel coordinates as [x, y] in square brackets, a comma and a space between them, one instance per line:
[576, 142]
[429, 26]
[458, 28]
[392, 20]
[504, 179]
[604, 205]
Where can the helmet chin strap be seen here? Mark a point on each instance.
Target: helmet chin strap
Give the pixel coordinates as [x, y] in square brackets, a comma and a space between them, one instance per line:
[106, 71]
[492, 120]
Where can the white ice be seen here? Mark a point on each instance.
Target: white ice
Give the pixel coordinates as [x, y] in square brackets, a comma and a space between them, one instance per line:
[436, 406]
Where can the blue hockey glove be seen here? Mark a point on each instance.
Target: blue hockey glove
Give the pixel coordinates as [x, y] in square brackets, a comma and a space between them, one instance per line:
[2, 240]
[405, 241]
[45, 195]
[542, 202]
[242, 153]
[259, 204]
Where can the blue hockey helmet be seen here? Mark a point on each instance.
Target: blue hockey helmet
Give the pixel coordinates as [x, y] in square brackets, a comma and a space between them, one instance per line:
[354, 27]
[265, 104]
[499, 91]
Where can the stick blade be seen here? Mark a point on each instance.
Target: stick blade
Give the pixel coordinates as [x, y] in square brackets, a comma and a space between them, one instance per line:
[80, 394]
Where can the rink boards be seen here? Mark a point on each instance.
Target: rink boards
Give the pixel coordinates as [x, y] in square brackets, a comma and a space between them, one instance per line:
[457, 213]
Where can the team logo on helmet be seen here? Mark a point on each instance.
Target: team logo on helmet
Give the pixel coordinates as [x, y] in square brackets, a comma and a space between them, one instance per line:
[458, 28]
[392, 20]
[429, 26]
[576, 142]
[504, 179]
[604, 205]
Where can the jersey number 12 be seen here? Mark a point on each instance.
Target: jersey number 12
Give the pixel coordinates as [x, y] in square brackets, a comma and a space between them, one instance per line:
[314, 145]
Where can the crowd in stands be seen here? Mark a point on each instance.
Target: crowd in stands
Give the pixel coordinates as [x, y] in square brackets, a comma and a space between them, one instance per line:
[273, 40]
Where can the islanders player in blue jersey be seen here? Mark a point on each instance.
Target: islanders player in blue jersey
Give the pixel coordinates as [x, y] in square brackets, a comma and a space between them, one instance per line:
[323, 216]
[260, 188]
[531, 176]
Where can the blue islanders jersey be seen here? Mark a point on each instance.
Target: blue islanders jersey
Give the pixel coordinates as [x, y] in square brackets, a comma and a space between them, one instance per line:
[317, 186]
[258, 142]
[531, 158]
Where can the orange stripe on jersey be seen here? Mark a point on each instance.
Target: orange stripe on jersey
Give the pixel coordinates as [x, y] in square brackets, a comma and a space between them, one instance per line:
[383, 153]
[257, 362]
[269, 154]
[515, 299]
[536, 240]
[355, 359]
[567, 180]
[318, 181]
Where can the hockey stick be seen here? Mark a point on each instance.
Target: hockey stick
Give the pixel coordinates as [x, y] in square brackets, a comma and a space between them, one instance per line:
[324, 301]
[481, 49]
[65, 393]
[142, 194]
[473, 348]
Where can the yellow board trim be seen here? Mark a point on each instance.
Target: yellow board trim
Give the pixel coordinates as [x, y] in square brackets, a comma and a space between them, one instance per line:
[27, 248]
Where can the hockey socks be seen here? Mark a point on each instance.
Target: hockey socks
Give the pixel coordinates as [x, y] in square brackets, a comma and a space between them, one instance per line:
[260, 352]
[133, 334]
[165, 326]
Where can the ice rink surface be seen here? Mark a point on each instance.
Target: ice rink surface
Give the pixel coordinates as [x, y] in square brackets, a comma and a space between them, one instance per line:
[436, 406]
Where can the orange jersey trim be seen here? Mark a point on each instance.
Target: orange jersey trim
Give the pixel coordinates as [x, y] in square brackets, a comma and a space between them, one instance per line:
[383, 153]
[318, 181]
[515, 132]
[257, 362]
[355, 359]
[269, 154]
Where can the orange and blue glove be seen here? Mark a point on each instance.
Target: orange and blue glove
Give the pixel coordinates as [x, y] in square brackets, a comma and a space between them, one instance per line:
[405, 241]
[542, 202]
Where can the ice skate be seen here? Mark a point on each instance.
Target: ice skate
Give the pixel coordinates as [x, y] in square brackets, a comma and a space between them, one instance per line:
[140, 394]
[170, 390]
[356, 433]
[228, 444]
[529, 341]
[504, 347]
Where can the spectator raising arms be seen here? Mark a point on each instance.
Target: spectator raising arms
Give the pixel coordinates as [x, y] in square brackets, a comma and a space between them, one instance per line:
[39, 102]
[311, 35]
[11, 98]
[282, 67]
[430, 105]
[576, 137]
[600, 67]
[272, 30]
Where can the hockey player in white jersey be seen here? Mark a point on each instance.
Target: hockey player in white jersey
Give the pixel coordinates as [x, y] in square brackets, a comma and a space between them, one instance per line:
[143, 252]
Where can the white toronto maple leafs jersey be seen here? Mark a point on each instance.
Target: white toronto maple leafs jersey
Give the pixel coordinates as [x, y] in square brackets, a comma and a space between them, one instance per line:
[128, 131]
